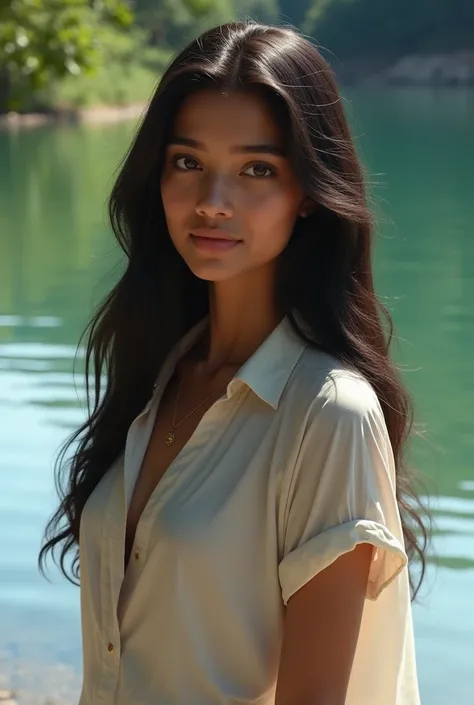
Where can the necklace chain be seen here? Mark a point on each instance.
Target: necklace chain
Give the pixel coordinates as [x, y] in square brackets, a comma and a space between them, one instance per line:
[170, 437]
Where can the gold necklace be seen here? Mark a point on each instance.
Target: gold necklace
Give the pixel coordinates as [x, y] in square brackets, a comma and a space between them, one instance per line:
[170, 437]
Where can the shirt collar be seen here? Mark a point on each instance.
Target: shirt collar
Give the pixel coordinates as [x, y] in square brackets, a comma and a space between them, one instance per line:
[268, 370]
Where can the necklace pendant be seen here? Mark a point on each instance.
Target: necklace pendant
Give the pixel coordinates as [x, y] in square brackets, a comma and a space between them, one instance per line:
[170, 438]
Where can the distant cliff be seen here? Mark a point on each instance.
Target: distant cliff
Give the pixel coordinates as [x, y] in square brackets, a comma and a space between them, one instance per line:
[438, 70]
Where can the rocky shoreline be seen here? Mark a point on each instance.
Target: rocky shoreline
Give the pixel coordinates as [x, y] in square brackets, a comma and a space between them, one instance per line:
[454, 70]
[13, 697]
[102, 114]
[35, 682]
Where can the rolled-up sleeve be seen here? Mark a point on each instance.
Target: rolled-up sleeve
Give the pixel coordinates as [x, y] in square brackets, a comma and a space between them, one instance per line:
[341, 491]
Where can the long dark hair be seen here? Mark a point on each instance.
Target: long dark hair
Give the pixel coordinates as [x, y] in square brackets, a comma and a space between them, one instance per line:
[324, 275]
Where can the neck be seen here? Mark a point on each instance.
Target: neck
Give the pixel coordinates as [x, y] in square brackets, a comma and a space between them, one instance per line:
[242, 314]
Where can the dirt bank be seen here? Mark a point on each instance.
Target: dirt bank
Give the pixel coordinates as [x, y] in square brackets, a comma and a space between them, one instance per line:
[101, 114]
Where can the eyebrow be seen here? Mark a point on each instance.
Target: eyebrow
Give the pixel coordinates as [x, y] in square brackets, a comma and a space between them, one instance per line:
[264, 148]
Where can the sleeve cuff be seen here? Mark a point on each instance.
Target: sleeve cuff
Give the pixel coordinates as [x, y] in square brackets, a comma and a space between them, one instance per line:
[389, 559]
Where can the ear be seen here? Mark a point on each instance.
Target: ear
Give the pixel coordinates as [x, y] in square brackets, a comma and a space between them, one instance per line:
[307, 208]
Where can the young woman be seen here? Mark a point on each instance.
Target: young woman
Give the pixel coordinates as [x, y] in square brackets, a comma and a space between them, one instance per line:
[238, 498]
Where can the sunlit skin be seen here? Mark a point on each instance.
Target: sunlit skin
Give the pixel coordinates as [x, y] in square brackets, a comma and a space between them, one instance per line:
[229, 193]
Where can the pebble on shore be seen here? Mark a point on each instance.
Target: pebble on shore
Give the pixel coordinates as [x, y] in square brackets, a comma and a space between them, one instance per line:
[7, 697]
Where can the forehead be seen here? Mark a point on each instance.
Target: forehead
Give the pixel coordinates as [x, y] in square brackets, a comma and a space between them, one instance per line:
[233, 118]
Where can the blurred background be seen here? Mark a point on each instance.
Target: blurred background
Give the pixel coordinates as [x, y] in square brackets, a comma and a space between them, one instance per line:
[74, 77]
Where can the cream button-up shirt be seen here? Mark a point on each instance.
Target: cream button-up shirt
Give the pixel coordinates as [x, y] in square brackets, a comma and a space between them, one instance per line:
[289, 470]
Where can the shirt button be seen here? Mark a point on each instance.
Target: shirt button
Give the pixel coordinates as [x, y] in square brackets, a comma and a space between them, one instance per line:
[136, 555]
[110, 647]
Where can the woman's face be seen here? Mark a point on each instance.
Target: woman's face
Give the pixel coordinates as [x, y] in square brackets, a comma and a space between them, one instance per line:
[229, 194]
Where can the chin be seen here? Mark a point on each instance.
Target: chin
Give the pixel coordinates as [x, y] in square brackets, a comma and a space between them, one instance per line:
[212, 273]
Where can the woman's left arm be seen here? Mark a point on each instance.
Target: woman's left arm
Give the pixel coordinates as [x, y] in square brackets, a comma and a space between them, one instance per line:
[322, 623]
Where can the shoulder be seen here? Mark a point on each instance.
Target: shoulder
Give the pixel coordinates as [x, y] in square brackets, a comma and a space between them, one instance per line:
[335, 416]
[323, 386]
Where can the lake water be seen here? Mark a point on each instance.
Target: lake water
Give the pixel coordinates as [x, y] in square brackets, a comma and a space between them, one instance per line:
[57, 258]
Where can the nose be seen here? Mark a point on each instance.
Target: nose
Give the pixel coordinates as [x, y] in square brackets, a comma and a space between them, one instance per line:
[214, 201]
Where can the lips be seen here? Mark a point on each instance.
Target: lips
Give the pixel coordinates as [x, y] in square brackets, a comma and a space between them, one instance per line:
[213, 240]
[213, 234]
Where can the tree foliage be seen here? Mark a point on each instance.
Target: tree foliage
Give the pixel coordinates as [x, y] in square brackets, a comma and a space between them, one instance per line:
[174, 22]
[363, 28]
[263, 10]
[294, 11]
[43, 40]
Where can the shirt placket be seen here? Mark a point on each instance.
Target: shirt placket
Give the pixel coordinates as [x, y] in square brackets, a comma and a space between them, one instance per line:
[111, 583]
[112, 564]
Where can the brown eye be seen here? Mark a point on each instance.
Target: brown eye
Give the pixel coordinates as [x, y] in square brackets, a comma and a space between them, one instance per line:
[185, 163]
[260, 170]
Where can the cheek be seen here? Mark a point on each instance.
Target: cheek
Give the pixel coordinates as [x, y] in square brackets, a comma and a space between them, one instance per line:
[177, 198]
[274, 212]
